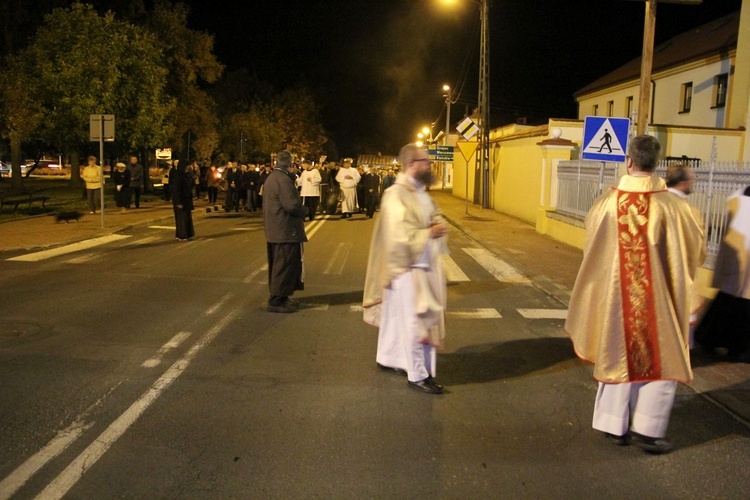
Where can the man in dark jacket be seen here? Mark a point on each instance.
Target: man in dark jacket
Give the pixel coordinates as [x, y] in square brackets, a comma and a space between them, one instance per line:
[371, 183]
[284, 221]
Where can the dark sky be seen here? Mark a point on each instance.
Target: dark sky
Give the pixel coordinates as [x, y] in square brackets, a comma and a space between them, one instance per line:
[377, 66]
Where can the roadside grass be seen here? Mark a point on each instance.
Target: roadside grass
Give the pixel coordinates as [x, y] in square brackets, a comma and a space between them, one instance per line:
[62, 196]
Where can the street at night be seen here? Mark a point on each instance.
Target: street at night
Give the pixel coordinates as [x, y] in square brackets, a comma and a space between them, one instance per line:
[144, 367]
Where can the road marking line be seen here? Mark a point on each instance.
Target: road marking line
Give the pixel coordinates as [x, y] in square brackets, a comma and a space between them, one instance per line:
[452, 271]
[501, 270]
[470, 313]
[338, 259]
[245, 228]
[313, 227]
[174, 342]
[162, 227]
[249, 278]
[86, 460]
[74, 247]
[57, 445]
[476, 313]
[304, 306]
[143, 241]
[82, 259]
[216, 306]
[543, 313]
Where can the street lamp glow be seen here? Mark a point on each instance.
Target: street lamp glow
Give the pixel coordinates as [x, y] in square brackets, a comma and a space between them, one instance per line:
[425, 130]
[446, 88]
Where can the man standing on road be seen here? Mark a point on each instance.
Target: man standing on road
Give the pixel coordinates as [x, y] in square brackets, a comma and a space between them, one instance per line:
[405, 280]
[284, 221]
[309, 184]
[371, 188]
[348, 178]
[136, 179]
[630, 306]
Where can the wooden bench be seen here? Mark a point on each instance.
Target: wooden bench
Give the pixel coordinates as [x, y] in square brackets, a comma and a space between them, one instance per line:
[19, 199]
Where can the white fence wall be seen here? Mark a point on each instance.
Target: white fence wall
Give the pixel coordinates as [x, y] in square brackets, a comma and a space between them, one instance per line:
[580, 182]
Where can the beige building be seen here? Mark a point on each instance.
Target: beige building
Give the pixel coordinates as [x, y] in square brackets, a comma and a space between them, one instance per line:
[700, 79]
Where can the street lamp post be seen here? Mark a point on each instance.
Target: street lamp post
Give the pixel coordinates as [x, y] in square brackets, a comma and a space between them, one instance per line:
[447, 96]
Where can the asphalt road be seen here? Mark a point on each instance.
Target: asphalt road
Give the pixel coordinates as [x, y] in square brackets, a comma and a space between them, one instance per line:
[143, 367]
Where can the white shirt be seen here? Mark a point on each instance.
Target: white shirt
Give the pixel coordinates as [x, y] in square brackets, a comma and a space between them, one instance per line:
[309, 181]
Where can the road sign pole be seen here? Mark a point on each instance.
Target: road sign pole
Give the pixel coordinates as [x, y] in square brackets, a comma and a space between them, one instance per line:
[101, 166]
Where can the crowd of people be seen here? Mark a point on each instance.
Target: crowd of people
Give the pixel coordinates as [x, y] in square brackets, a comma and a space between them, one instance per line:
[329, 188]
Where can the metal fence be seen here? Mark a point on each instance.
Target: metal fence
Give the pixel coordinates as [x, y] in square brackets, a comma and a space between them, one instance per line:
[580, 182]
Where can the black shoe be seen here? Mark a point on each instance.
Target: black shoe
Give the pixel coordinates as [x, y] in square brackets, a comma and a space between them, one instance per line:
[427, 385]
[656, 446]
[292, 302]
[282, 309]
[397, 371]
[618, 440]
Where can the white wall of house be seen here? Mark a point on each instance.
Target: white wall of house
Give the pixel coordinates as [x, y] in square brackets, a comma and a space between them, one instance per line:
[668, 100]
[598, 104]
[668, 95]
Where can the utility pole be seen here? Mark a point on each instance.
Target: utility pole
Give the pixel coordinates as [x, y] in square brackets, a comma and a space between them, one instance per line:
[484, 107]
[644, 102]
[647, 59]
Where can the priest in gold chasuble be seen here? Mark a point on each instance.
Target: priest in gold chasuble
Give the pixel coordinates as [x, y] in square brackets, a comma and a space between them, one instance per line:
[630, 307]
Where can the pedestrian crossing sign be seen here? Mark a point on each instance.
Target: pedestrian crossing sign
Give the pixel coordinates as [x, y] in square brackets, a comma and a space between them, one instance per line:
[605, 138]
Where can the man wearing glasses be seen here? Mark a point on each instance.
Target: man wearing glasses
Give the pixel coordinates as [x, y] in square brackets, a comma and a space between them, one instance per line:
[405, 287]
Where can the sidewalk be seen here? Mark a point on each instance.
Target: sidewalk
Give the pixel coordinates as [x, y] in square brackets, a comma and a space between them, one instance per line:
[551, 265]
[42, 231]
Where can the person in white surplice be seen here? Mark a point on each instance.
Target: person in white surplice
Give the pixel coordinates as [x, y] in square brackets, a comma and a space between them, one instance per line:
[348, 178]
[405, 287]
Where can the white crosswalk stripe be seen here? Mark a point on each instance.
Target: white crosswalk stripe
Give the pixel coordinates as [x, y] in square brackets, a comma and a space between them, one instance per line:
[501, 270]
[453, 273]
[543, 313]
[74, 247]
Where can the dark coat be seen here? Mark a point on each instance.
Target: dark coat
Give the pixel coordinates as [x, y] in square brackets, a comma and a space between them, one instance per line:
[283, 211]
[181, 188]
[371, 180]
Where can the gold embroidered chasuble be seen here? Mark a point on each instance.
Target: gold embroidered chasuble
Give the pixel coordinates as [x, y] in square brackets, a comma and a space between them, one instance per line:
[630, 307]
[400, 237]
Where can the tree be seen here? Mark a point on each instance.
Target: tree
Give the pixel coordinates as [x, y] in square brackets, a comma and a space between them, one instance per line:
[190, 62]
[81, 63]
[299, 119]
[19, 117]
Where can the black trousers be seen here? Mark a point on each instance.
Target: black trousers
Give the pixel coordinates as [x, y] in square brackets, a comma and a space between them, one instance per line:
[372, 203]
[137, 192]
[311, 202]
[284, 271]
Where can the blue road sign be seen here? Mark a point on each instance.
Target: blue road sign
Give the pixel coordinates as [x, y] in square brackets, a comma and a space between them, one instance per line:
[605, 138]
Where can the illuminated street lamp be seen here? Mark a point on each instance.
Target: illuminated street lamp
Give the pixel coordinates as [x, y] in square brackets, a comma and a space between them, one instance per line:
[483, 102]
[447, 95]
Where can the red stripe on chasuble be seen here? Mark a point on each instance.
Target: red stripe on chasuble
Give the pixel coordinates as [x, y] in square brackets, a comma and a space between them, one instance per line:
[636, 287]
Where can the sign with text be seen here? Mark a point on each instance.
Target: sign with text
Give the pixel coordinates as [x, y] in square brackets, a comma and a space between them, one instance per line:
[440, 153]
